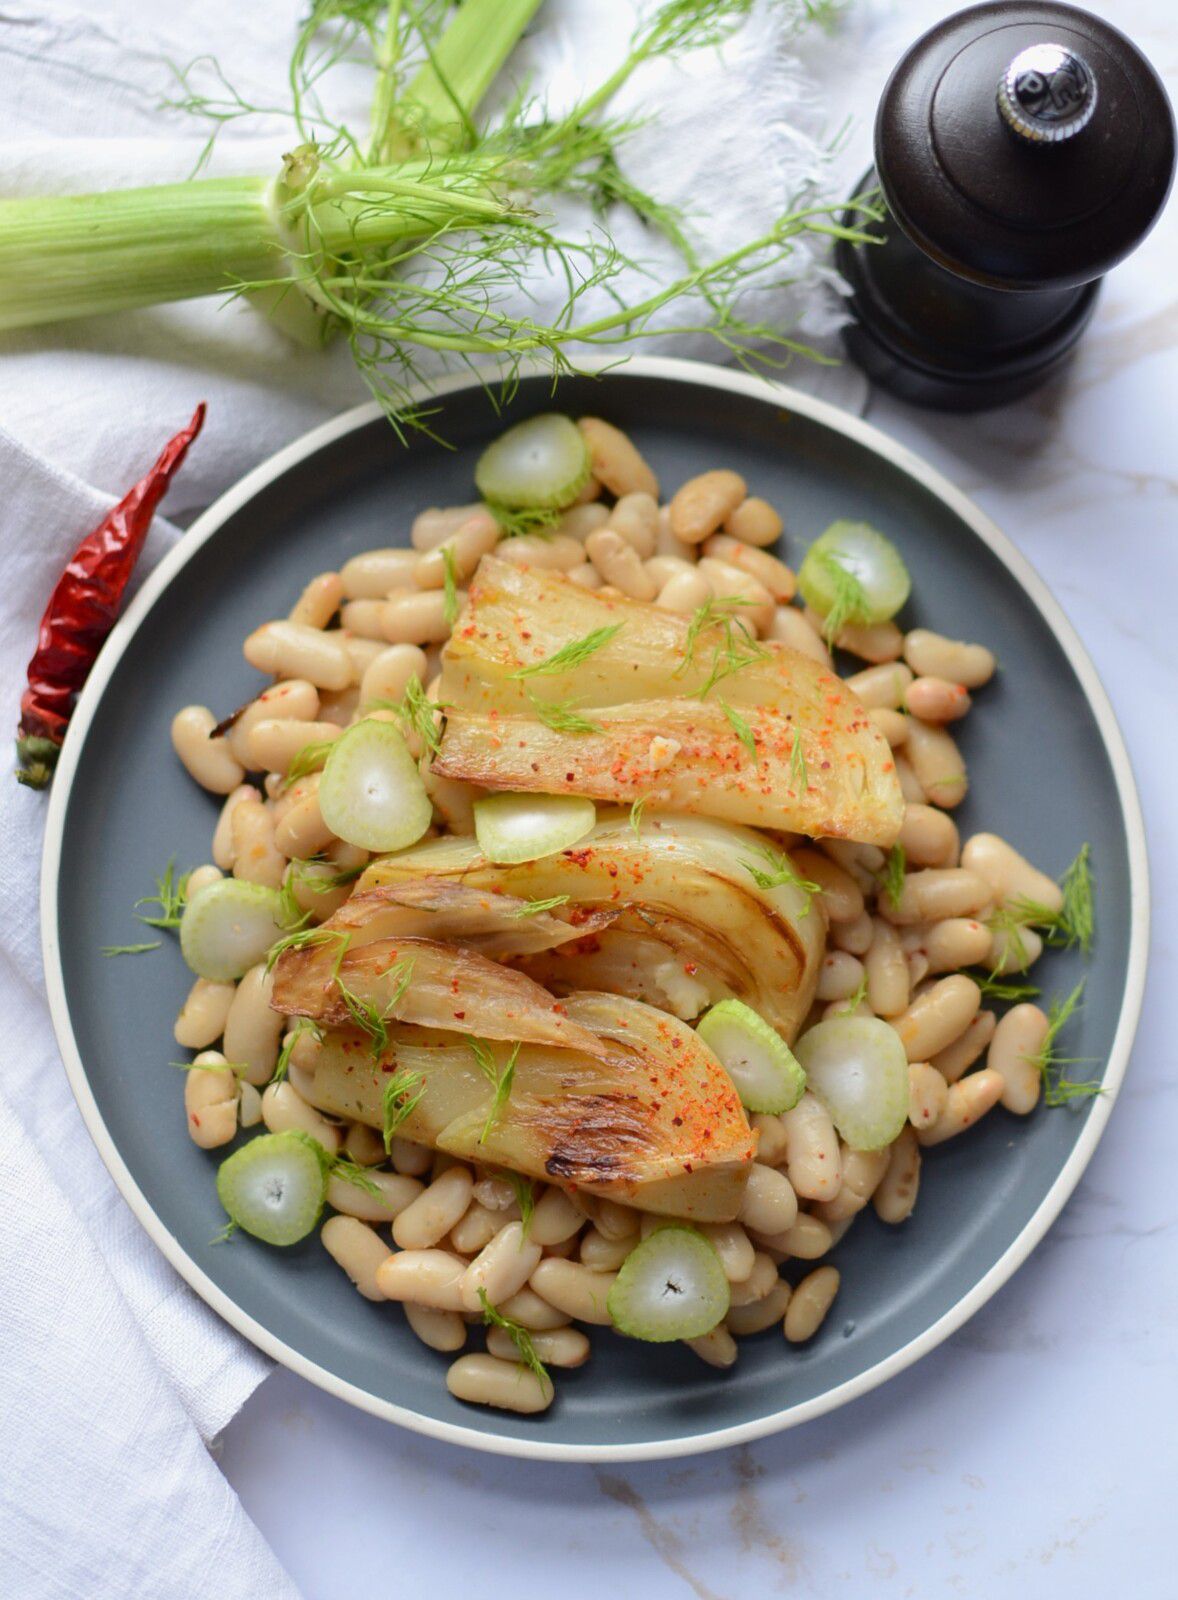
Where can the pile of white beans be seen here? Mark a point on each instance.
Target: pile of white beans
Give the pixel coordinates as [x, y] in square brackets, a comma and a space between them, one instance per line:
[358, 636]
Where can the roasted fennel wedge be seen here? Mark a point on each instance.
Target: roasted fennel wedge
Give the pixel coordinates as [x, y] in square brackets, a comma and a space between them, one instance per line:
[652, 1121]
[421, 982]
[674, 912]
[693, 716]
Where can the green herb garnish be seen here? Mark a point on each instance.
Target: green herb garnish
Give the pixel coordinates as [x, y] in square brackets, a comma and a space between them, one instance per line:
[399, 1099]
[850, 598]
[781, 872]
[525, 1196]
[570, 655]
[171, 896]
[853, 1001]
[307, 760]
[636, 810]
[303, 1026]
[1058, 1088]
[561, 716]
[130, 949]
[518, 1334]
[994, 988]
[798, 774]
[518, 522]
[534, 908]
[449, 587]
[892, 875]
[736, 648]
[352, 1172]
[740, 728]
[500, 1081]
[304, 938]
[370, 1018]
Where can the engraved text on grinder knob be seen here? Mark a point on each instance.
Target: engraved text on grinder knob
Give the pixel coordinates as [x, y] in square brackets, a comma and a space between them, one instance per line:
[1047, 94]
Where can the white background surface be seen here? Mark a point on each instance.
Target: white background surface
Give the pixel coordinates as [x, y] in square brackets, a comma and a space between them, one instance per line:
[1034, 1455]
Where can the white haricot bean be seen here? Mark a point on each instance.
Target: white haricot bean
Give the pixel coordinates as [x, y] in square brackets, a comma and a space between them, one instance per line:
[754, 521]
[302, 832]
[881, 688]
[210, 1100]
[362, 653]
[393, 1194]
[1013, 950]
[863, 1171]
[932, 655]
[200, 878]
[717, 1347]
[416, 616]
[636, 518]
[292, 650]
[294, 699]
[249, 1105]
[501, 1269]
[910, 785]
[928, 837]
[223, 832]
[433, 527]
[319, 601]
[870, 641]
[209, 761]
[310, 883]
[758, 1284]
[615, 459]
[476, 538]
[620, 564]
[854, 937]
[968, 1100]
[927, 1093]
[770, 1204]
[840, 896]
[252, 1028]
[772, 574]
[341, 705]
[494, 1193]
[936, 893]
[808, 1239]
[585, 575]
[892, 725]
[887, 971]
[757, 608]
[953, 1062]
[574, 1289]
[812, 1150]
[704, 502]
[364, 619]
[533, 1313]
[256, 857]
[734, 1247]
[579, 521]
[761, 1314]
[684, 593]
[809, 1303]
[435, 1211]
[475, 1229]
[484, 1380]
[937, 700]
[1014, 1054]
[663, 568]
[895, 1198]
[839, 976]
[276, 741]
[202, 1016]
[1009, 874]
[284, 1110]
[427, 1277]
[771, 1139]
[613, 1220]
[937, 763]
[358, 1249]
[562, 1347]
[410, 1159]
[554, 552]
[440, 1330]
[864, 862]
[955, 943]
[789, 627]
[371, 575]
[388, 676]
[917, 969]
[602, 1254]
[938, 1016]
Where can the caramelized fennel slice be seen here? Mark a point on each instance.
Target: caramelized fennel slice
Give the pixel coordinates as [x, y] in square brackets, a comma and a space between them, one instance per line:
[690, 924]
[654, 1121]
[494, 924]
[661, 733]
[422, 982]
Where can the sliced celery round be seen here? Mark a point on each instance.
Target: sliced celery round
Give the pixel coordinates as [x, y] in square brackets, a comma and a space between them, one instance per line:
[853, 569]
[672, 1286]
[371, 794]
[858, 1068]
[525, 827]
[757, 1059]
[274, 1186]
[543, 462]
[228, 927]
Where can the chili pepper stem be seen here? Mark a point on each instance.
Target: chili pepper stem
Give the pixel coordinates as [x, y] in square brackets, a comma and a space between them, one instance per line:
[38, 758]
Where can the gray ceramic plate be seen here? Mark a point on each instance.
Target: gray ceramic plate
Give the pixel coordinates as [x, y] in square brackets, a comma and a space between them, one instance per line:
[1048, 770]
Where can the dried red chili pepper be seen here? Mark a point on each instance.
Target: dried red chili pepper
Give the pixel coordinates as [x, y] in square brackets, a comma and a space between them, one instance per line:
[83, 609]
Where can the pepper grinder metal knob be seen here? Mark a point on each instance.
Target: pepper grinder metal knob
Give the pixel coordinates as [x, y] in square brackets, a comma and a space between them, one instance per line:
[1022, 150]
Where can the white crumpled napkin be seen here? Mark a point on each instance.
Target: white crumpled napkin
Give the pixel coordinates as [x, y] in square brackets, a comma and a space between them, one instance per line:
[113, 1373]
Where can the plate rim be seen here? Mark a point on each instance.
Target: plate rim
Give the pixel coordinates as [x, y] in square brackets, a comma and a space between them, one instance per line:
[520, 1445]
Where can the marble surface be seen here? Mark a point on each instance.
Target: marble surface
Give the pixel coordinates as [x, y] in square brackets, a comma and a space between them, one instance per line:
[1034, 1453]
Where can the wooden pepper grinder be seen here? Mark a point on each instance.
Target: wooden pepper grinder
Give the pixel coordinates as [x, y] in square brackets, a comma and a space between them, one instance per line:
[1022, 150]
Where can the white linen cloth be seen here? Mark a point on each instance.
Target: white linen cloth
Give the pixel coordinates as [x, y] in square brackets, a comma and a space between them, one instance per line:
[114, 1374]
